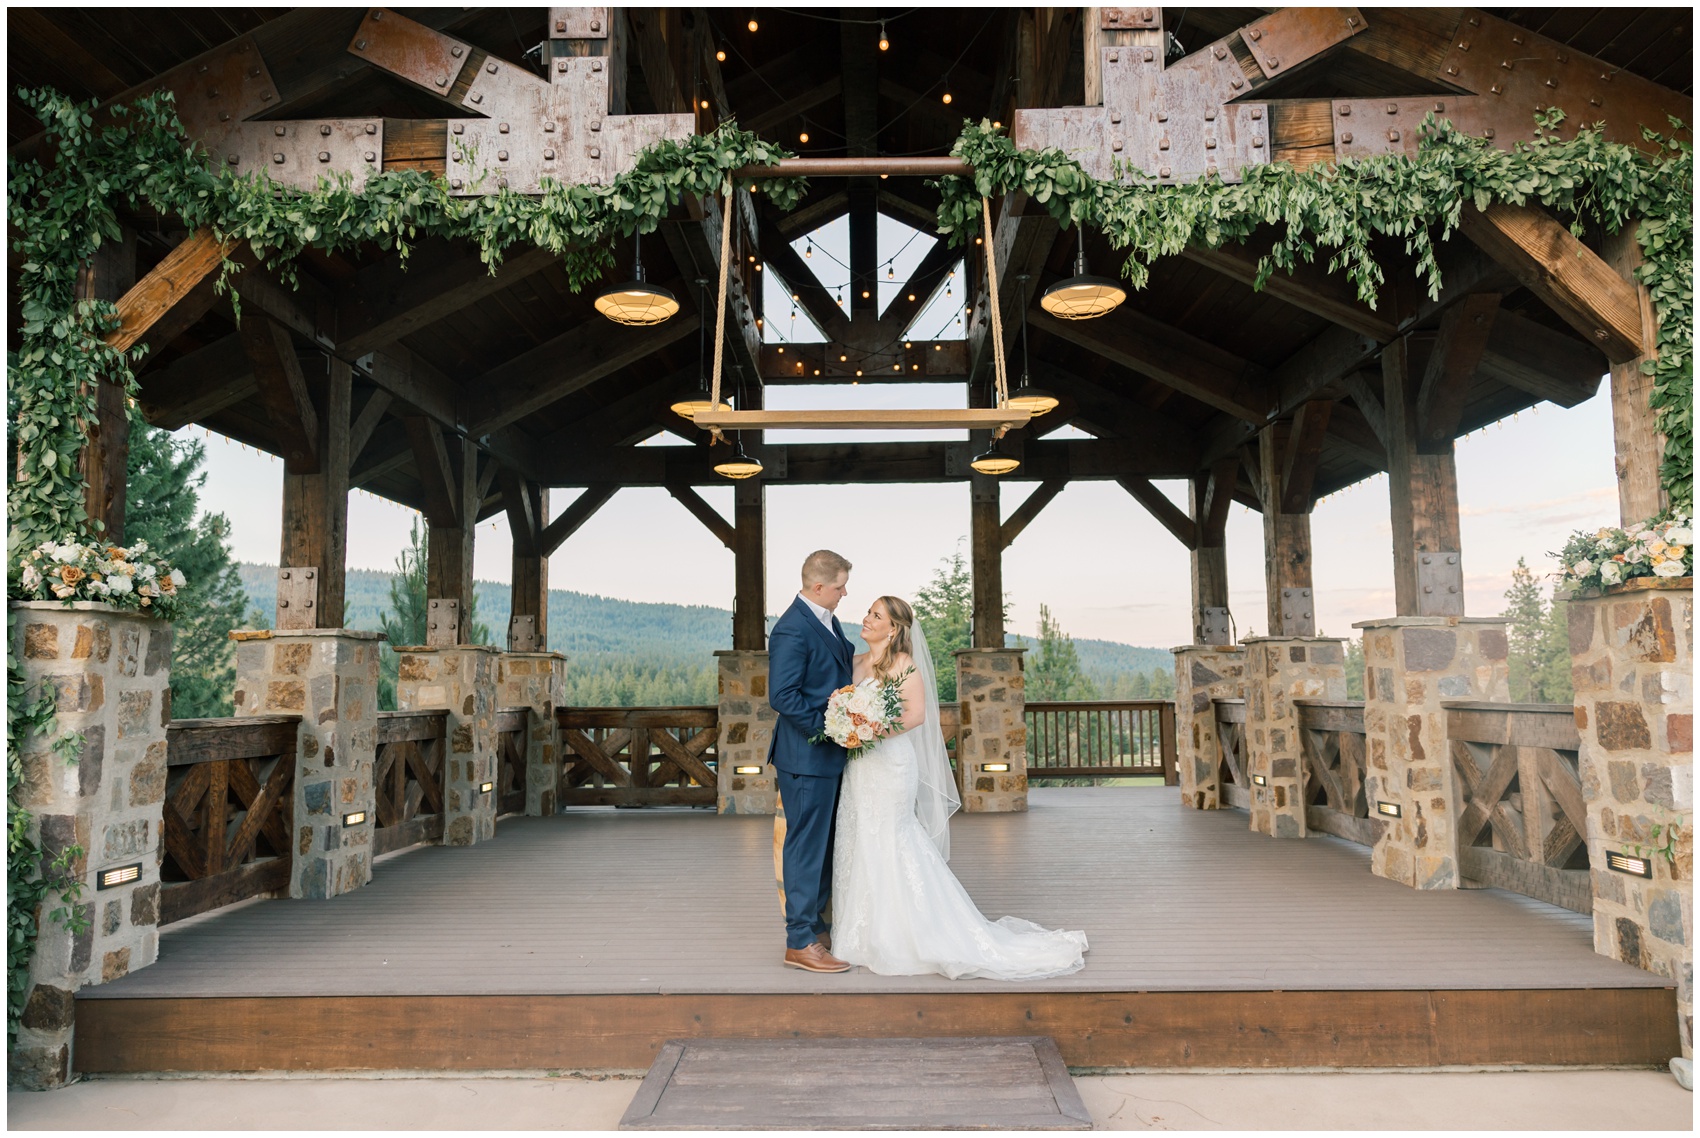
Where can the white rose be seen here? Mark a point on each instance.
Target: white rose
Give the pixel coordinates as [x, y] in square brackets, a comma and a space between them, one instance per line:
[1611, 572]
[1672, 568]
[178, 579]
[1582, 568]
[146, 570]
[32, 577]
[1680, 535]
[67, 553]
[119, 583]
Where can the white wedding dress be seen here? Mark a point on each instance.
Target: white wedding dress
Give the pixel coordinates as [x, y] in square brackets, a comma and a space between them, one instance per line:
[898, 910]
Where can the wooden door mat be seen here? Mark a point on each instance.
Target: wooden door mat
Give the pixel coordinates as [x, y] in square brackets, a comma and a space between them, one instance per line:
[985, 1083]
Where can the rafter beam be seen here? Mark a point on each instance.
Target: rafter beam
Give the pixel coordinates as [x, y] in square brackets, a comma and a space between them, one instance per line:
[802, 284]
[1174, 519]
[1464, 334]
[1550, 365]
[169, 285]
[1029, 509]
[283, 391]
[437, 479]
[583, 508]
[388, 300]
[706, 514]
[1304, 453]
[1308, 287]
[1568, 276]
[570, 362]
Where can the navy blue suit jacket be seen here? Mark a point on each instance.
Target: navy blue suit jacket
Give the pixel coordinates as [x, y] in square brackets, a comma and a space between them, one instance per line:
[806, 664]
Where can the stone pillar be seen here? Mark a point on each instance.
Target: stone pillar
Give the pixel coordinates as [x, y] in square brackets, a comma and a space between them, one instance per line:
[992, 692]
[1411, 665]
[462, 680]
[535, 680]
[1632, 656]
[329, 677]
[1203, 672]
[746, 729]
[1280, 669]
[110, 672]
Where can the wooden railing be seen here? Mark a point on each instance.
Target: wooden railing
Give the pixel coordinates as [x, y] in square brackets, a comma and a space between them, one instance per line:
[513, 730]
[639, 756]
[1522, 816]
[1232, 774]
[1082, 739]
[1331, 733]
[407, 779]
[229, 811]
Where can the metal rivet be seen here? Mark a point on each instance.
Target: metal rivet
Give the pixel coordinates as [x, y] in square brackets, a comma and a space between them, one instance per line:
[1210, 115]
[324, 156]
[265, 96]
[502, 183]
[1257, 143]
[1164, 173]
[1452, 561]
[1392, 136]
[460, 128]
[278, 158]
[490, 68]
[371, 156]
[325, 128]
[371, 128]
[478, 98]
[1256, 113]
[1150, 56]
[1115, 116]
[1115, 57]
[1427, 560]
[455, 51]
[501, 155]
[1452, 71]
[282, 603]
[378, 15]
[596, 65]
[549, 128]
[596, 152]
[1162, 116]
[1439, 108]
[561, 66]
[442, 80]
[224, 116]
[1210, 144]
[1274, 63]
[1488, 133]
[1221, 52]
[1428, 588]
[1236, 82]
[1345, 108]
[455, 185]
[1256, 33]
[1517, 39]
[359, 45]
[1392, 108]
[1463, 45]
[596, 25]
[1497, 89]
[548, 155]
[560, 25]
[1163, 143]
[502, 127]
[279, 131]
[233, 159]
[596, 124]
[201, 70]
[1475, 21]
[1115, 144]
[1593, 100]
[1552, 83]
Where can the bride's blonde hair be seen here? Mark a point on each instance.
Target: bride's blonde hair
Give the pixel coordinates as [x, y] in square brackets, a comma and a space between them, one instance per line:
[902, 641]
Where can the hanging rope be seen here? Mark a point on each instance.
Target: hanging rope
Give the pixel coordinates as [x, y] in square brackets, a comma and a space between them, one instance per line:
[1000, 376]
[720, 307]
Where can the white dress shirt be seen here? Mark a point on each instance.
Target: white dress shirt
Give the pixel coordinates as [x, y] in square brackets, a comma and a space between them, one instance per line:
[822, 615]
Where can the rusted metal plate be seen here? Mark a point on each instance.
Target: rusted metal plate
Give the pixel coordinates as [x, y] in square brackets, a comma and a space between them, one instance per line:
[301, 153]
[1363, 127]
[298, 597]
[578, 23]
[408, 49]
[1130, 19]
[1517, 73]
[442, 622]
[1440, 584]
[522, 633]
[216, 93]
[1298, 612]
[1287, 37]
[1176, 124]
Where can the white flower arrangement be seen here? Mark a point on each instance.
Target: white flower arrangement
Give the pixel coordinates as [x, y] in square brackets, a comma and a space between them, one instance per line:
[1662, 546]
[860, 715]
[127, 577]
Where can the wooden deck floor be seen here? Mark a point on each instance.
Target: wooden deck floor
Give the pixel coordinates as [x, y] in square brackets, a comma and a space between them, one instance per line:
[605, 902]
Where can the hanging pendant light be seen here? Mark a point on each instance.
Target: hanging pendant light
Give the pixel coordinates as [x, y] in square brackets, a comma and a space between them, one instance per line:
[1082, 297]
[994, 461]
[1035, 401]
[702, 399]
[739, 465]
[637, 302]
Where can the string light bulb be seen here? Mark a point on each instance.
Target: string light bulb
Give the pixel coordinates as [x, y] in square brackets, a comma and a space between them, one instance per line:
[720, 55]
[808, 248]
[753, 26]
[947, 98]
[803, 137]
[885, 44]
[890, 272]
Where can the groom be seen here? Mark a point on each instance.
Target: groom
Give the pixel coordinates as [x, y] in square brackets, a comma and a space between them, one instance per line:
[809, 659]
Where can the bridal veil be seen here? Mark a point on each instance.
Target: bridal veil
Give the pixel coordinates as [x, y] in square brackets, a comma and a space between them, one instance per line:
[936, 797]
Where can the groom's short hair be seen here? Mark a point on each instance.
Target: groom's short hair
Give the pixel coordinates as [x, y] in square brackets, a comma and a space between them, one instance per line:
[822, 567]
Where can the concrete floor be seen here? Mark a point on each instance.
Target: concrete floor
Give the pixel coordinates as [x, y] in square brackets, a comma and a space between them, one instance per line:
[1423, 1100]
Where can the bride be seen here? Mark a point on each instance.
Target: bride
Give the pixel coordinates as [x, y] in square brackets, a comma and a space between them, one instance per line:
[899, 911]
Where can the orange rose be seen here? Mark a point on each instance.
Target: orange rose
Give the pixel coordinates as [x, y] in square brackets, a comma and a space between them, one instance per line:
[70, 574]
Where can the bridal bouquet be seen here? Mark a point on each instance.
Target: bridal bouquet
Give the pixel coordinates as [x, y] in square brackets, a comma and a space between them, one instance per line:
[860, 715]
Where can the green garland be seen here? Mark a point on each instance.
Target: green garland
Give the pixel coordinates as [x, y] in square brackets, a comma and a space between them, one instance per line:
[1342, 208]
[138, 156]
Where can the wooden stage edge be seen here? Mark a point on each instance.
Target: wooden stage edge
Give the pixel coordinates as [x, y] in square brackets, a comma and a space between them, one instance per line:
[1537, 1027]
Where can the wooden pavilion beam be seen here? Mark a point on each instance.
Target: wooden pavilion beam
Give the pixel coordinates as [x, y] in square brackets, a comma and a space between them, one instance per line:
[1549, 365]
[1173, 518]
[315, 503]
[1210, 493]
[1288, 587]
[582, 509]
[1309, 287]
[1042, 496]
[555, 369]
[1423, 496]
[172, 290]
[527, 506]
[283, 391]
[921, 285]
[1464, 333]
[722, 529]
[389, 300]
[1568, 276]
[104, 457]
[1168, 355]
[802, 283]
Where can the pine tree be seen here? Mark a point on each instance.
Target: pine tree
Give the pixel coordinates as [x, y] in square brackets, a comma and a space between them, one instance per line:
[945, 607]
[1354, 669]
[163, 495]
[1054, 671]
[1526, 618]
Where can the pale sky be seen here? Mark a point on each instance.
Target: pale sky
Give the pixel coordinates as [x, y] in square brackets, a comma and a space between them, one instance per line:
[1106, 568]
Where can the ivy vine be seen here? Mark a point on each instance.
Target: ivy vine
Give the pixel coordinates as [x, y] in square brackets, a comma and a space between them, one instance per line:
[1340, 209]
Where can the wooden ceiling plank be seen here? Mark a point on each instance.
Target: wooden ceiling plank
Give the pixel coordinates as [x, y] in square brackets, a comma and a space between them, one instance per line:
[389, 301]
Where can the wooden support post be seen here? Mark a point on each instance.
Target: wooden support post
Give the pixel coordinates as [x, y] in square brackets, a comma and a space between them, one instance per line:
[1211, 493]
[1640, 447]
[106, 452]
[448, 541]
[528, 508]
[986, 540]
[1428, 571]
[315, 505]
[749, 551]
[1286, 542]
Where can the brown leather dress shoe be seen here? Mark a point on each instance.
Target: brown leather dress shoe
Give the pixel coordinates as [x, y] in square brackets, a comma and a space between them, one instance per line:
[814, 959]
